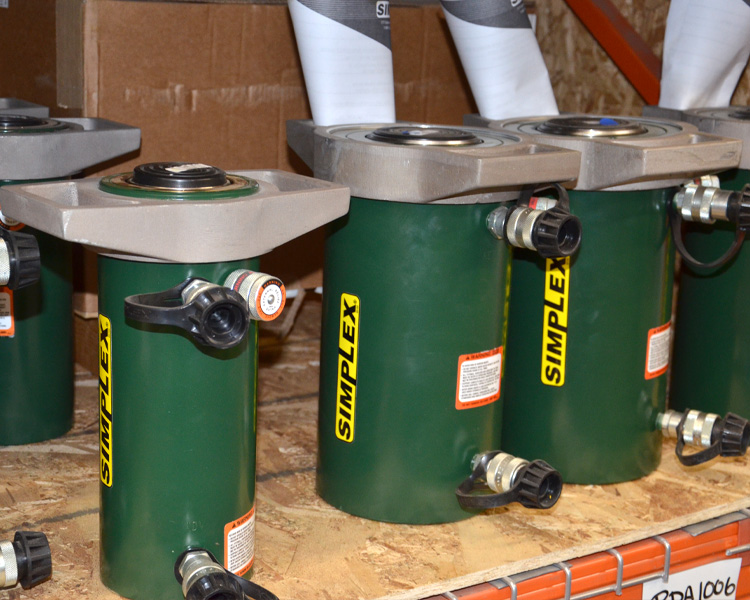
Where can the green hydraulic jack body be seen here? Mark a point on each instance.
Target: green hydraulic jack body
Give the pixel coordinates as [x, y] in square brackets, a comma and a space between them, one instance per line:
[179, 294]
[588, 339]
[712, 334]
[414, 309]
[36, 333]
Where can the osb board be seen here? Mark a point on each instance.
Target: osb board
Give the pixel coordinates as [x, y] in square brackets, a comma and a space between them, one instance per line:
[306, 550]
[584, 78]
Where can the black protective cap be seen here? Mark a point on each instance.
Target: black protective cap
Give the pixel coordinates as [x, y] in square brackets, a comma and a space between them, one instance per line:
[539, 486]
[33, 556]
[738, 210]
[25, 263]
[733, 434]
[557, 233]
[215, 316]
[216, 586]
[220, 317]
[178, 176]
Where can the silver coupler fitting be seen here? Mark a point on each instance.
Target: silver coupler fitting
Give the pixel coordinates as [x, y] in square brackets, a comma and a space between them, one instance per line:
[702, 204]
[515, 224]
[697, 430]
[194, 566]
[265, 294]
[502, 471]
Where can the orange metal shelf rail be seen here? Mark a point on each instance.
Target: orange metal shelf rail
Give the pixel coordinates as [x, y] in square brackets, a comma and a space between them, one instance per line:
[619, 574]
[625, 47]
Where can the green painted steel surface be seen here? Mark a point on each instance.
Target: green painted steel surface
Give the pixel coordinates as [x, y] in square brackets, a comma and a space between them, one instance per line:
[711, 369]
[182, 435]
[432, 286]
[36, 364]
[599, 427]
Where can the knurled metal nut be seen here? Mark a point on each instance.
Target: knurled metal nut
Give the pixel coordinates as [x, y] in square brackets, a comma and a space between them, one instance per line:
[4, 263]
[9, 566]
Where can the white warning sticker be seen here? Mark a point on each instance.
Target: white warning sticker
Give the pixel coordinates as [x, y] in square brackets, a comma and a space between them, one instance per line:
[479, 378]
[657, 352]
[714, 581]
[7, 324]
[239, 544]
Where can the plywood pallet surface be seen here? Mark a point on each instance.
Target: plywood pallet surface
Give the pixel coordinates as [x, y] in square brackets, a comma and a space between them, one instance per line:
[307, 550]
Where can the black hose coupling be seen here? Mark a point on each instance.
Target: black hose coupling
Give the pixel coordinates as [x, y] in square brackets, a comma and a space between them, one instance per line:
[704, 202]
[738, 209]
[214, 315]
[26, 560]
[729, 436]
[532, 484]
[535, 223]
[202, 577]
[20, 264]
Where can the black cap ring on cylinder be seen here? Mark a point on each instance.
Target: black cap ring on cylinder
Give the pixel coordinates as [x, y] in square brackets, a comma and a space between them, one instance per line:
[178, 176]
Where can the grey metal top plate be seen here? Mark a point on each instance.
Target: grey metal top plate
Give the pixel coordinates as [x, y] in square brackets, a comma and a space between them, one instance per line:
[666, 151]
[729, 113]
[723, 121]
[659, 112]
[427, 173]
[15, 106]
[285, 207]
[30, 156]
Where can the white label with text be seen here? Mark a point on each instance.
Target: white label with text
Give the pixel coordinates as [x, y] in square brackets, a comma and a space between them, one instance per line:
[714, 581]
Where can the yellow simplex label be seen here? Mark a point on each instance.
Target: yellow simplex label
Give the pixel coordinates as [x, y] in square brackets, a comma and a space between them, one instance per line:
[105, 400]
[555, 331]
[346, 384]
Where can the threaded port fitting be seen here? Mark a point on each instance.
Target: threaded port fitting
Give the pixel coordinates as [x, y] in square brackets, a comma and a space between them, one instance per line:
[265, 295]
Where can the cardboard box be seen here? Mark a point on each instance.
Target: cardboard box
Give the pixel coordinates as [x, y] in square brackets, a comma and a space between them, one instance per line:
[210, 82]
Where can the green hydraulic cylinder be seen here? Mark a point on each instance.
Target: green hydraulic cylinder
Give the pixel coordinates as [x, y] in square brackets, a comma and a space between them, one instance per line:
[579, 390]
[419, 288]
[712, 334]
[36, 350]
[36, 327]
[589, 338]
[178, 429]
[414, 310]
[178, 358]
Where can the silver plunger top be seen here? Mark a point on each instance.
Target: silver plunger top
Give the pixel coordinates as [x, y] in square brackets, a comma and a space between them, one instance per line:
[424, 135]
[589, 126]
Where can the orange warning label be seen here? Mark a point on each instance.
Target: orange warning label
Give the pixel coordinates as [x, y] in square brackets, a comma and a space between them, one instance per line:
[7, 320]
[239, 544]
[657, 350]
[479, 378]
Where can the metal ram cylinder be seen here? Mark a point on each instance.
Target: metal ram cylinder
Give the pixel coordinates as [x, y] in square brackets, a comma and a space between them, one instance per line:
[712, 332]
[177, 436]
[588, 342]
[413, 293]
